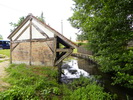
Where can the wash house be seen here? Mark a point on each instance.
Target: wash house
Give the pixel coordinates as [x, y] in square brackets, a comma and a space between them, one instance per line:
[34, 42]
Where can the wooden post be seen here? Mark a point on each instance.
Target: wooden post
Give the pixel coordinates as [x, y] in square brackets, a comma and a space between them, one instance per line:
[30, 57]
[59, 72]
[54, 50]
[57, 47]
[11, 51]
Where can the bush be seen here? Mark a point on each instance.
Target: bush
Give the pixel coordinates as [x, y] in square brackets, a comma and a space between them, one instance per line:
[86, 89]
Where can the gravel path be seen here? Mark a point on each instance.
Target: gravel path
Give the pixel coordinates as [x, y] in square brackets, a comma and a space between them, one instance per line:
[3, 73]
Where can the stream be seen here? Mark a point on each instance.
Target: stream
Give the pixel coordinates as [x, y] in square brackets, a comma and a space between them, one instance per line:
[74, 68]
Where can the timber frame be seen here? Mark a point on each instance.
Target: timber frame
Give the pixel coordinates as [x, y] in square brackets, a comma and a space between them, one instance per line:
[61, 46]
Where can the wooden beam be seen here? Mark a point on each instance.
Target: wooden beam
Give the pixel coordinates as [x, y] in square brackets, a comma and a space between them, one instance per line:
[63, 50]
[60, 55]
[11, 51]
[22, 32]
[65, 43]
[15, 47]
[41, 31]
[42, 39]
[54, 51]
[20, 26]
[57, 47]
[49, 47]
[63, 57]
[33, 40]
[30, 56]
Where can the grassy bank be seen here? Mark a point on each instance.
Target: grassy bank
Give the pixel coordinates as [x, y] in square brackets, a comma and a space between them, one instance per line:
[40, 83]
[31, 83]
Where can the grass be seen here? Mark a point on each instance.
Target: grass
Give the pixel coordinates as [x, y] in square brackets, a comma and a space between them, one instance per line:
[40, 83]
[2, 61]
[5, 52]
[28, 83]
[75, 50]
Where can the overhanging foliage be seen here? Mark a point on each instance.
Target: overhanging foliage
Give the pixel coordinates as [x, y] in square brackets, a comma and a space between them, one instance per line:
[109, 27]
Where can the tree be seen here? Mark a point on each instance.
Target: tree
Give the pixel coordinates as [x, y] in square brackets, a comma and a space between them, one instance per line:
[108, 25]
[41, 17]
[15, 25]
[1, 38]
[81, 37]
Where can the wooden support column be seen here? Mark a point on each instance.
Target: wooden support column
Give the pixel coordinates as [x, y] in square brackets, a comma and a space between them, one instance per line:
[54, 50]
[57, 53]
[30, 54]
[11, 51]
[63, 56]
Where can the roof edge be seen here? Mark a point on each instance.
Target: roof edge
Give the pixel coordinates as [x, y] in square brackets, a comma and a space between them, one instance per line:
[20, 26]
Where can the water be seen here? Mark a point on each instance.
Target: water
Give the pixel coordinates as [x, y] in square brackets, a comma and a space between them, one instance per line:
[74, 68]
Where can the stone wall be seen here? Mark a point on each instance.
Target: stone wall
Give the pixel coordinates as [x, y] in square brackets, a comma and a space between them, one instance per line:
[41, 53]
[83, 49]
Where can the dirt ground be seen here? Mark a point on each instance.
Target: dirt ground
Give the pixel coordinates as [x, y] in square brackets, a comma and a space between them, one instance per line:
[3, 74]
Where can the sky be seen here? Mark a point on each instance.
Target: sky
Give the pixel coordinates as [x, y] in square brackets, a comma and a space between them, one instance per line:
[53, 10]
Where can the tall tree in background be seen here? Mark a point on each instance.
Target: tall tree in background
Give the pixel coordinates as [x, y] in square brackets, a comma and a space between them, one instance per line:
[81, 37]
[1, 38]
[15, 25]
[108, 25]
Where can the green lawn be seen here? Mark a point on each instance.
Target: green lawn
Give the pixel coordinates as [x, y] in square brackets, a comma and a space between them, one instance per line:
[5, 52]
